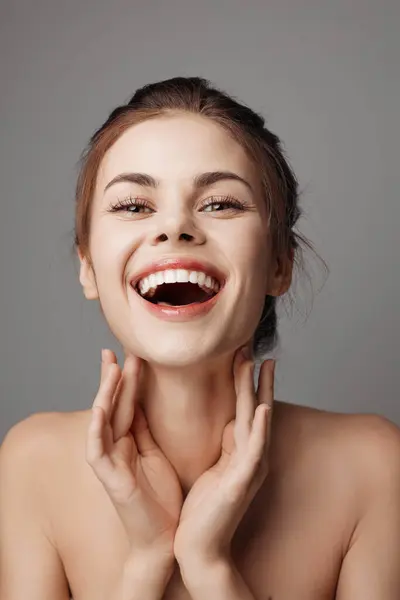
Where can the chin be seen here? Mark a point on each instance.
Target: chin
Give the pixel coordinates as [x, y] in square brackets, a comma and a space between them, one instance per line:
[179, 354]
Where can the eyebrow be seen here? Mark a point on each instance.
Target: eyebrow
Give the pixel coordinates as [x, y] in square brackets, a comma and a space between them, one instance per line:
[200, 181]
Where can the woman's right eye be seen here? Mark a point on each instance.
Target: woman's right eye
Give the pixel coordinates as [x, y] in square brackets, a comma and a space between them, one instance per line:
[124, 204]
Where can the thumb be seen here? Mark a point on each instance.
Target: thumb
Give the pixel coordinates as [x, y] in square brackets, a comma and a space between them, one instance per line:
[227, 447]
[141, 432]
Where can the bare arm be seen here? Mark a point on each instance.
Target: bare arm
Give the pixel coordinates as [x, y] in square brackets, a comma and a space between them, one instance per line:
[30, 566]
[143, 578]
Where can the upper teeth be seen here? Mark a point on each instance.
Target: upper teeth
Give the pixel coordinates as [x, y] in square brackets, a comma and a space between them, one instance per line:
[209, 284]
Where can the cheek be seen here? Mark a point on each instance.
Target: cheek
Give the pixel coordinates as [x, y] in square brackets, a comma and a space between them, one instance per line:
[250, 253]
[111, 247]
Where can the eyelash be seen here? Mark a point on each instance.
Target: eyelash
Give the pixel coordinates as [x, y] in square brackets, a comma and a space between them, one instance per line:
[134, 201]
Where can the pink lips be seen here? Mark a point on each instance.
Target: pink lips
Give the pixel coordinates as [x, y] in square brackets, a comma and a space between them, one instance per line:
[180, 313]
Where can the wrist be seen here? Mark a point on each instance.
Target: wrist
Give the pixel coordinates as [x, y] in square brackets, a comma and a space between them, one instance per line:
[215, 579]
[194, 568]
[149, 562]
[145, 576]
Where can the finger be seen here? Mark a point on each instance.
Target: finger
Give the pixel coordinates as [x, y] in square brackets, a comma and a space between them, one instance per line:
[246, 403]
[96, 455]
[126, 397]
[110, 357]
[107, 357]
[108, 385]
[259, 434]
[265, 392]
[142, 434]
[255, 465]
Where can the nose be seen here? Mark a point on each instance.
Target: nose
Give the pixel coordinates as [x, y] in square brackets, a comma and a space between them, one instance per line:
[179, 228]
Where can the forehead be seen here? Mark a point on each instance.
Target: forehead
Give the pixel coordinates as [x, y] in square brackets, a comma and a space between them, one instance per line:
[175, 147]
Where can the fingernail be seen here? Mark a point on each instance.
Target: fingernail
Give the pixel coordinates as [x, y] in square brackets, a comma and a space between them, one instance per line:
[103, 355]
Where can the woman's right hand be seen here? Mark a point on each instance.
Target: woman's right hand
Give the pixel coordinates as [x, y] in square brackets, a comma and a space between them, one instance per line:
[141, 483]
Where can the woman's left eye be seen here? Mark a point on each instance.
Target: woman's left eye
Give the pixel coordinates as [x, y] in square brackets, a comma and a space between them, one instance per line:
[229, 201]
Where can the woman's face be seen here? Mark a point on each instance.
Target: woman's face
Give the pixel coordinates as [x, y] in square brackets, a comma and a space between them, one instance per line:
[173, 150]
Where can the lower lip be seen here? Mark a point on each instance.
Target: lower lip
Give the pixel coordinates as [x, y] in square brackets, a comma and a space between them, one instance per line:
[180, 313]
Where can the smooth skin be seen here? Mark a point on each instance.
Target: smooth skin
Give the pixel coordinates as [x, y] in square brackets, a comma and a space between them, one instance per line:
[143, 485]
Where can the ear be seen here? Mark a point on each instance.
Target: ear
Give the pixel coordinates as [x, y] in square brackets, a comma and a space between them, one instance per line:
[87, 278]
[281, 277]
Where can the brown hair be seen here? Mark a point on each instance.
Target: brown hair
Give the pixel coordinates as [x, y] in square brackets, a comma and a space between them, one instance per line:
[196, 95]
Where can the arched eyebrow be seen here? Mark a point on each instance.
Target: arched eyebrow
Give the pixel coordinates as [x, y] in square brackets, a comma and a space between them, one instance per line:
[200, 181]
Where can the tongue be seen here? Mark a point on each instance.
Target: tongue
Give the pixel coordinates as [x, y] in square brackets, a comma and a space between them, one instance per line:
[179, 294]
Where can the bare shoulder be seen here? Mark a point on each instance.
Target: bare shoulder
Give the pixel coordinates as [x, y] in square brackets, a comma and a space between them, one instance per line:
[42, 428]
[40, 439]
[365, 446]
[30, 436]
[373, 442]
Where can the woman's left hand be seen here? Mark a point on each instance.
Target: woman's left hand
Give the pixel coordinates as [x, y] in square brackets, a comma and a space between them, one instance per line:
[220, 497]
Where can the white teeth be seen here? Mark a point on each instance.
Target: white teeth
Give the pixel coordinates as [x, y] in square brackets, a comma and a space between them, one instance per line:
[153, 281]
[181, 275]
[201, 277]
[170, 276]
[148, 285]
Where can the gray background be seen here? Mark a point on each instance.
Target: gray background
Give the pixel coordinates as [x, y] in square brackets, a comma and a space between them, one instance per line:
[325, 75]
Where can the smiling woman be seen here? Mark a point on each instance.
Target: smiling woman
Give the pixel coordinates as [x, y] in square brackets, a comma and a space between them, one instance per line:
[270, 190]
[196, 483]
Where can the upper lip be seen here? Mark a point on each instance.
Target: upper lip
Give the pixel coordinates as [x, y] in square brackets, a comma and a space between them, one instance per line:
[171, 262]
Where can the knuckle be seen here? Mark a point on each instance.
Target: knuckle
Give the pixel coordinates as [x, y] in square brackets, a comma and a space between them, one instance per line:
[256, 456]
[90, 459]
[93, 459]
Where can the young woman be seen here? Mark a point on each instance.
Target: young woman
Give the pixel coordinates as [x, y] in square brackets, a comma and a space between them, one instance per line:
[184, 480]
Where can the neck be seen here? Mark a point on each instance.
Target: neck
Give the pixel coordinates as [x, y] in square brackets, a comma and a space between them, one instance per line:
[187, 409]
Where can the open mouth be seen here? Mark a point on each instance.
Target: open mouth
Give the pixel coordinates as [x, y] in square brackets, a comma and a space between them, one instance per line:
[177, 294]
